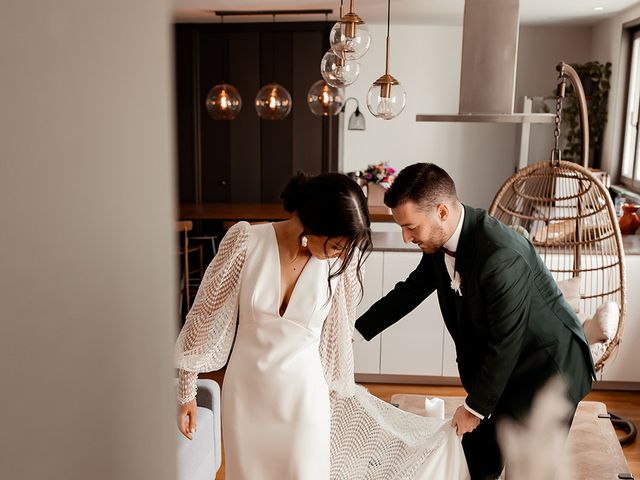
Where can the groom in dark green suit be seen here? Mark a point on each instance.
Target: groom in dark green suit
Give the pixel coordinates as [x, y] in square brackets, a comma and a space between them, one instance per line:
[512, 328]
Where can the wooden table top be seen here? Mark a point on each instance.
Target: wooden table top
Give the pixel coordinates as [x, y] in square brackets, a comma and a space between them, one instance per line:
[256, 211]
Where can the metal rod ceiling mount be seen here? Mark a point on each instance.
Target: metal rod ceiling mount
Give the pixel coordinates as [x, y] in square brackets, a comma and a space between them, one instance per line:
[231, 13]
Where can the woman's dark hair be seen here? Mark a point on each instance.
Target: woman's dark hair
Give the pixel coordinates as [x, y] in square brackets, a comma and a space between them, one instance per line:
[426, 184]
[332, 205]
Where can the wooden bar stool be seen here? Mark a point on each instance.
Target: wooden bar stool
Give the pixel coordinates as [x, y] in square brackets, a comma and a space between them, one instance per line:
[184, 251]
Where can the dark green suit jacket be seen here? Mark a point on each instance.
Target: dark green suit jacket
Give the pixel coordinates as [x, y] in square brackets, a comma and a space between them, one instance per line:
[512, 328]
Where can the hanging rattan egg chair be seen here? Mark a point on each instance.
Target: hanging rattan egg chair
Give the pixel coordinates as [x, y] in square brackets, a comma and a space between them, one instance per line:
[568, 215]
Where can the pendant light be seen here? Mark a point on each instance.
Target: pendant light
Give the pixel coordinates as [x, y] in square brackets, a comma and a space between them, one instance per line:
[350, 38]
[386, 98]
[223, 101]
[273, 101]
[324, 100]
[337, 71]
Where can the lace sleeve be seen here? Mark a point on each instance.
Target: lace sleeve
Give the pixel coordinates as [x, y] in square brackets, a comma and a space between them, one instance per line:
[205, 340]
[353, 290]
[336, 349]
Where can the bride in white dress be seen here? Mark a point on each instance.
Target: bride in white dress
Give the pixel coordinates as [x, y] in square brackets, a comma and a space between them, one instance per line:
[290, 408]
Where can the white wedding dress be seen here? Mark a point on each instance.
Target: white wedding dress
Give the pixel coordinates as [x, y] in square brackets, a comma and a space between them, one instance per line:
[275, 400]
[281, 418]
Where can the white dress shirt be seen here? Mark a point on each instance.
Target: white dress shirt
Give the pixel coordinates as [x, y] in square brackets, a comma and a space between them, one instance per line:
[450, 261]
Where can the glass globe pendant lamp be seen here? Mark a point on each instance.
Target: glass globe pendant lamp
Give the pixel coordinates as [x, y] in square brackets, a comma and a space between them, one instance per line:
[386, 98]
[349, 37]
[324, 100]
[223, 102]
[337, 71]
[273, 102]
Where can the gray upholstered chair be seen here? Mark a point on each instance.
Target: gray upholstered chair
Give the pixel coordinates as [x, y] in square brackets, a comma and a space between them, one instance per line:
[200, 458]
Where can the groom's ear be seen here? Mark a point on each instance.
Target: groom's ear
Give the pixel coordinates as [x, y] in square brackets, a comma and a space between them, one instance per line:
[443, 212]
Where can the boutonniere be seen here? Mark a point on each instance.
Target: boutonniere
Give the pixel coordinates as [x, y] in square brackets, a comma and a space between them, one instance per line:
[456, 283]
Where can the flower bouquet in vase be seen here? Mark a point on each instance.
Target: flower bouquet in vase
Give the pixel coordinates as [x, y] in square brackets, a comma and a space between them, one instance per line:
[379, 177]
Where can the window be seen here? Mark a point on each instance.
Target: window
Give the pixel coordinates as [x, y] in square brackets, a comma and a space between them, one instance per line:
[630, 172]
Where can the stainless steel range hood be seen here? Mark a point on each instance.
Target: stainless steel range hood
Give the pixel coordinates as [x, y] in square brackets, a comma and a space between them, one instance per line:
[488, 77]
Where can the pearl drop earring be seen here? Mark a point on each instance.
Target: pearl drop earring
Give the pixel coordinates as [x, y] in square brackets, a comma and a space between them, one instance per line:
[304, 241]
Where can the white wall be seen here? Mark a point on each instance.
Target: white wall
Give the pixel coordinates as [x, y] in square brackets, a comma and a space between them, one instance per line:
[86, 268]
[426, 60]
[540, 49]
[609, 45]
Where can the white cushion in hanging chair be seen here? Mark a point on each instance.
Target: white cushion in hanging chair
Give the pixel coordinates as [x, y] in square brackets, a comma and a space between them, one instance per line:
[571, 292]
[604, 324]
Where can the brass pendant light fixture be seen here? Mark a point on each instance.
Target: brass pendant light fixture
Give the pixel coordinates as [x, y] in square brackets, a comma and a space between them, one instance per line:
[386, 98]
[273, 101]
[324, 100]
[335, 70]
[349, 37]
[223, 101]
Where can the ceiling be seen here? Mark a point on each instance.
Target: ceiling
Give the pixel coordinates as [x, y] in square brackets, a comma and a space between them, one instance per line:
[427, 12]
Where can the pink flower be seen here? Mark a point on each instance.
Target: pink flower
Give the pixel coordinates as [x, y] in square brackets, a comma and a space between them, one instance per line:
[380, 173]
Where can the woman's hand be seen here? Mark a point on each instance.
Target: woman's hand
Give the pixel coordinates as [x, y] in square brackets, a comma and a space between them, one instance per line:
[187, 418]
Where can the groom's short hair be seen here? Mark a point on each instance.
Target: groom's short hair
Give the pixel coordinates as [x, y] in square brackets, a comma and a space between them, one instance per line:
[425, 184]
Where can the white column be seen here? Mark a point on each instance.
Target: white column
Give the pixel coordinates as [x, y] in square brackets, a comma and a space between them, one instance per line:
[86, 240]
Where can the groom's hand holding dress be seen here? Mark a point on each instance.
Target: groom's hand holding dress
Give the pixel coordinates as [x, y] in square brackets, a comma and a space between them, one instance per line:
[464, 421]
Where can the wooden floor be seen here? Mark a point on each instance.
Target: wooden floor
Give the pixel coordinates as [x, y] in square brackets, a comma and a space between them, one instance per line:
[626, 404]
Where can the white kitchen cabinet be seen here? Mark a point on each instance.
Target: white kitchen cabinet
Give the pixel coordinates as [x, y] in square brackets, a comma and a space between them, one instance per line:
[624, 365]
[367, 354]
[413, 346]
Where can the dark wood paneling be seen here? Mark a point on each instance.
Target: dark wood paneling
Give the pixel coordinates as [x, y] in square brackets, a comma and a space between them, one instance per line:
[215, 133]
[307, 144]
[245, 165]
[185, 40]
[330, 143]
[248, 159]
[276, 137]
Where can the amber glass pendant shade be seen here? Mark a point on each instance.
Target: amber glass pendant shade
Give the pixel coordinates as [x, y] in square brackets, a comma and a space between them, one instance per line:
[223, 102]
[273, 102]
[324, 100]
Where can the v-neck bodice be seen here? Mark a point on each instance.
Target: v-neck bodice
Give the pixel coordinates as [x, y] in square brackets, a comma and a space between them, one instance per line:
[279, 277]
[260, 290]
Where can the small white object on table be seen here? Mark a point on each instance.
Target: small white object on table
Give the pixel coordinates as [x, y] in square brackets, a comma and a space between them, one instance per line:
[434, 407]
